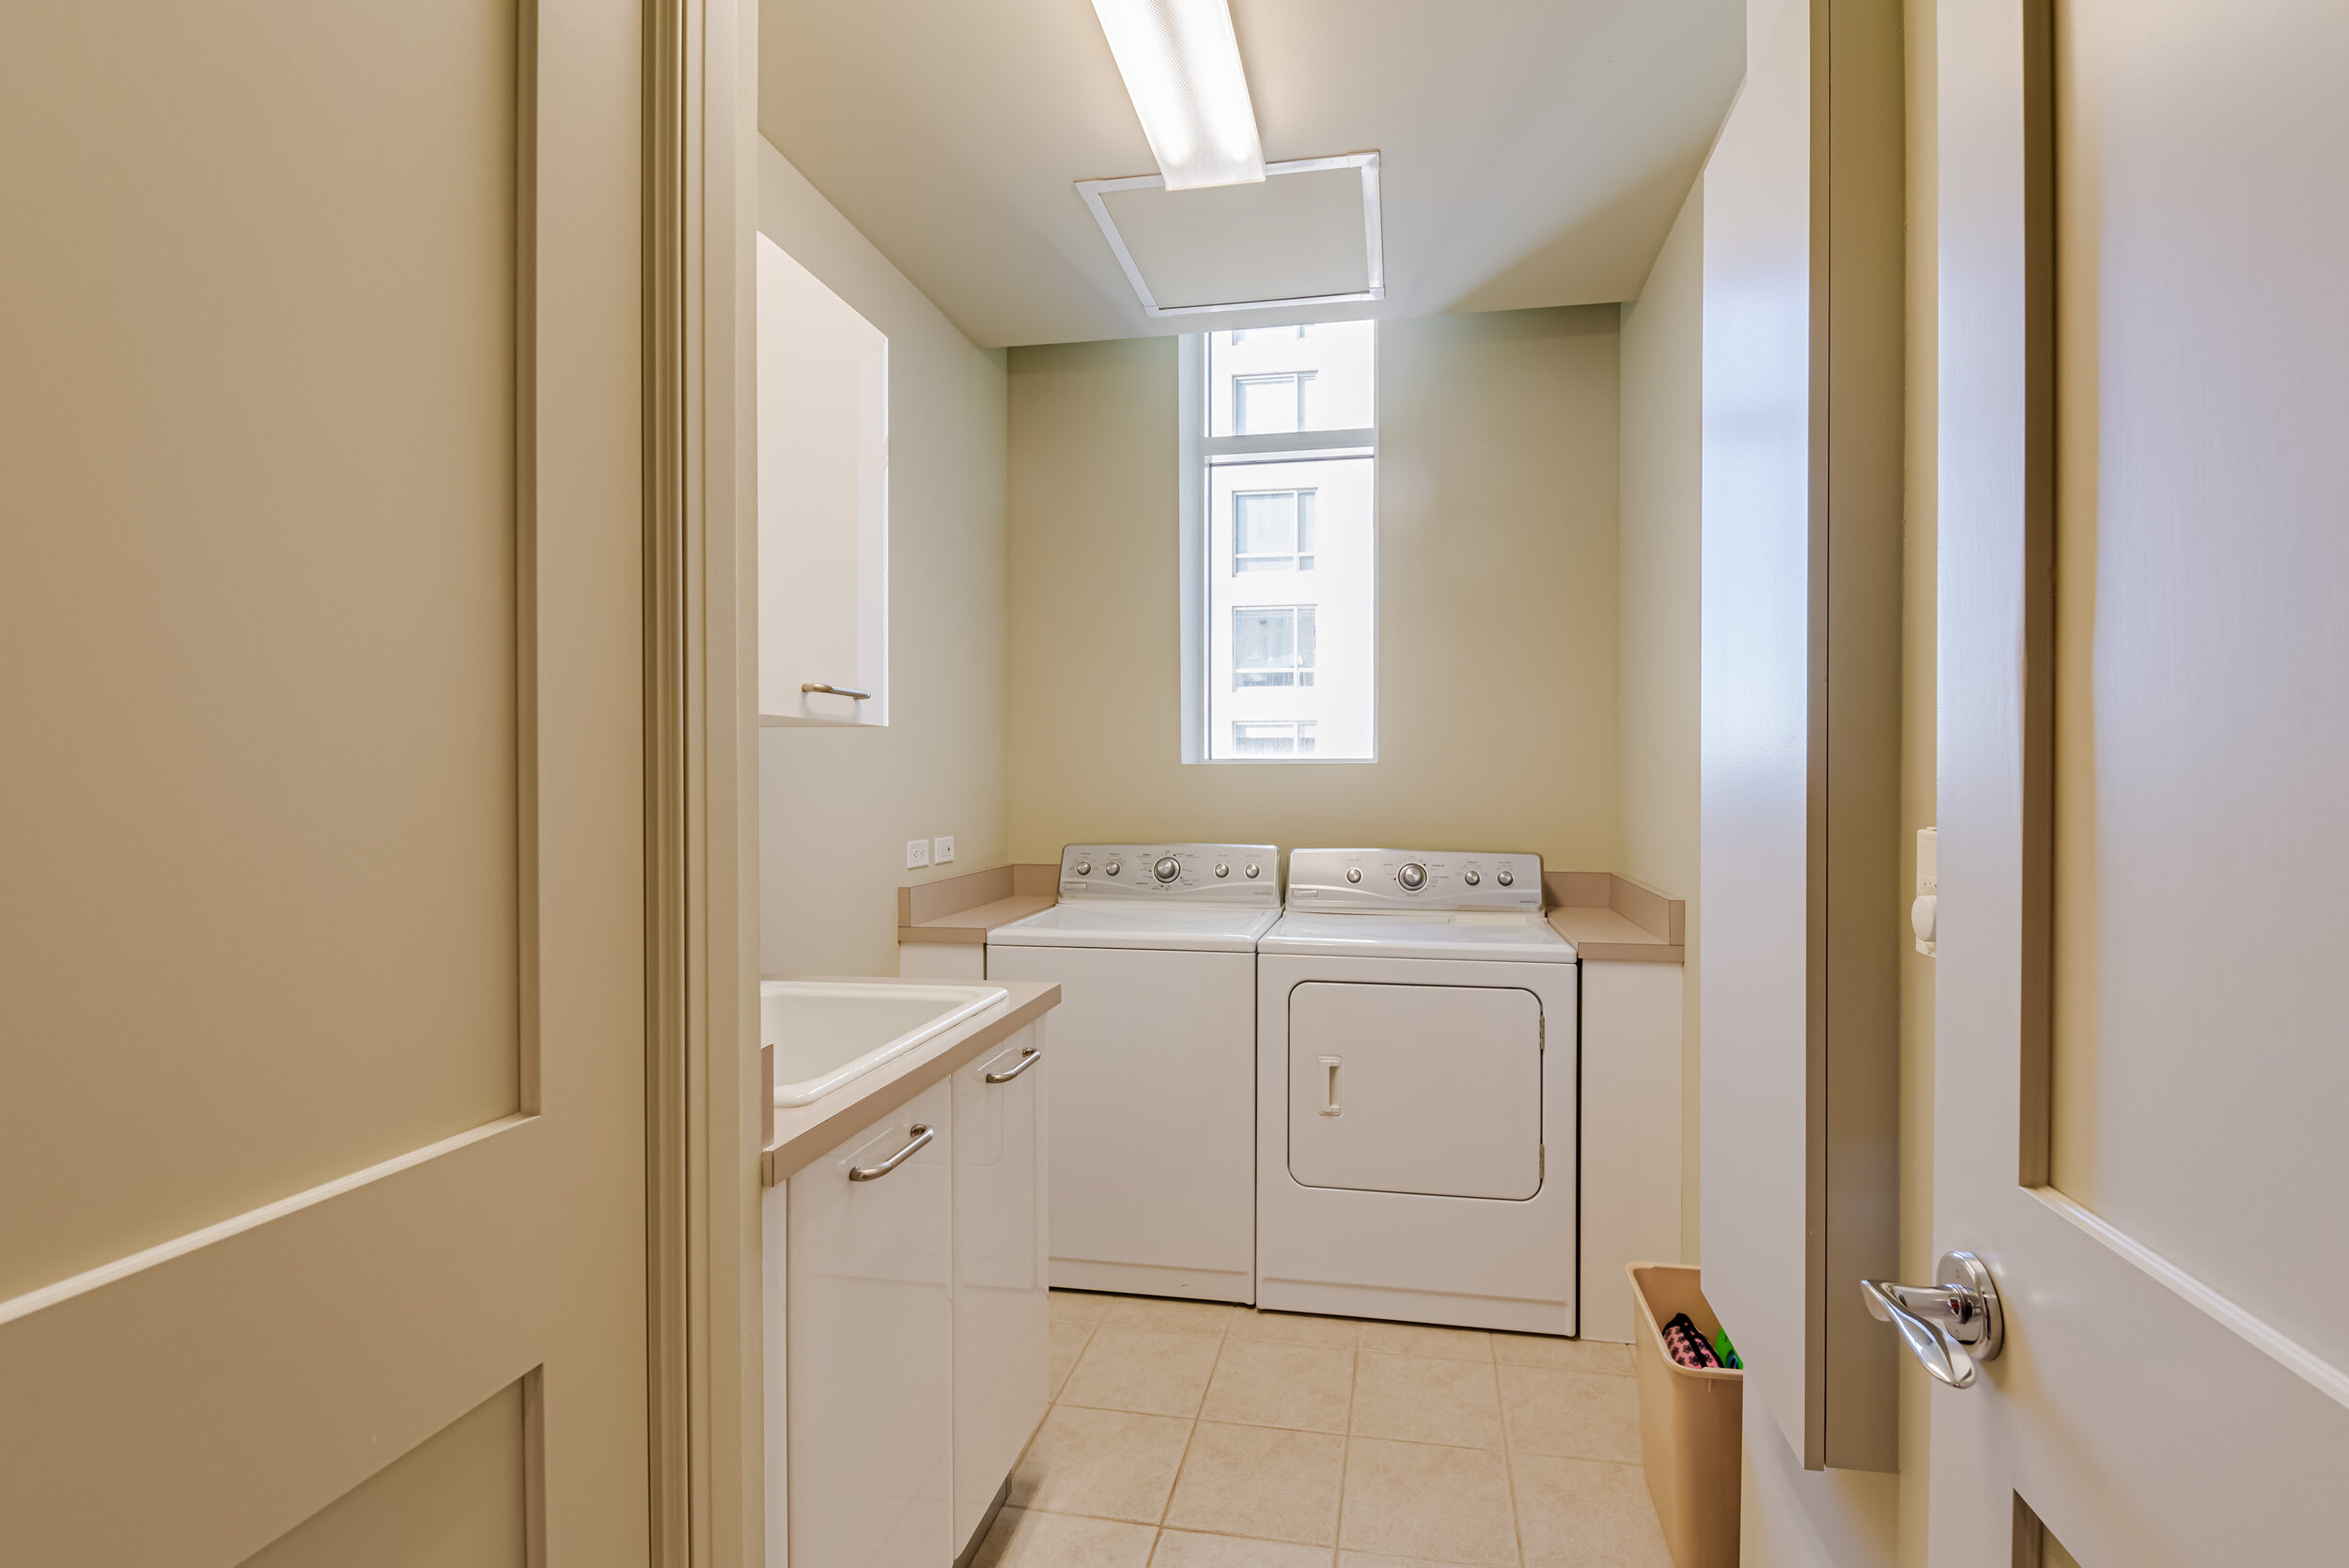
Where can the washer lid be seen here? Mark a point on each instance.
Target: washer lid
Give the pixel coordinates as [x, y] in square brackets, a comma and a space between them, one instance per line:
[1103, 922]
[1482, 937]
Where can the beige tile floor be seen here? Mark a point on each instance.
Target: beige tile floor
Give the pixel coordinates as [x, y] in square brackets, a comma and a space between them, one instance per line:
[1185, 1435]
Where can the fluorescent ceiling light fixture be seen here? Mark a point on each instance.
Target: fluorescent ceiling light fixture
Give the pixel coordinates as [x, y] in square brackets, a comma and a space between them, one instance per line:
[1180, 60]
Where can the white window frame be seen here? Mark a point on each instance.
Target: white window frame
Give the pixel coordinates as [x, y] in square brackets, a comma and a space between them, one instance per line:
[1196, 450]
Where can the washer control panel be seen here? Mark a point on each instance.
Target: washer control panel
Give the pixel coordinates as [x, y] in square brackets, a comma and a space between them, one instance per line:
[1436, 879]
[1193, 873]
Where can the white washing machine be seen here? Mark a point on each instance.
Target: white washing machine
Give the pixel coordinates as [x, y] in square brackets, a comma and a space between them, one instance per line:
[1416, 1086]
[1153, 1061]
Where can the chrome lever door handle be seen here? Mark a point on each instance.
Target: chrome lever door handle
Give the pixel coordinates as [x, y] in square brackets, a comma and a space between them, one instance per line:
[831, 690]
[1945, 1359]
[921, 1139]
[1950, 1325]
[1027, 1059]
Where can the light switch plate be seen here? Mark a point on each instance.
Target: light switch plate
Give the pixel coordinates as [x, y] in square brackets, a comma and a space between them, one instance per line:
[943, 850]
[917, 853]
[1924, 914]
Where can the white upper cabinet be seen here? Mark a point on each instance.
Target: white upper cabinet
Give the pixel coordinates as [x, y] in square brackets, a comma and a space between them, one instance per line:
[823, 502]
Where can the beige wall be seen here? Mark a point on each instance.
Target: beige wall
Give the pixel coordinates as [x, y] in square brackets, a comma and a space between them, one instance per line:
[836, 806]
[1497, 603]
[1663, 367]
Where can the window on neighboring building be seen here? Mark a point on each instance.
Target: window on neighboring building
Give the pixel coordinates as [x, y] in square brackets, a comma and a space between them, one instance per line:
[1277, 739]
[1281, 433]
[1272, 531]
[1272, 645]
[1270, 405]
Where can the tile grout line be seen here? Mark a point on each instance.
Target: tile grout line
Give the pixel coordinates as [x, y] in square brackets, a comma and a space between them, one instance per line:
[1346, 1447]
[1508, 1461]
[1189, 1437]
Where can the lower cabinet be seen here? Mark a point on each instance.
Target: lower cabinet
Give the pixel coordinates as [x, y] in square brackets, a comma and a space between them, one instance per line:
[871, 1346]
[917, 1328]
[1003, 1260]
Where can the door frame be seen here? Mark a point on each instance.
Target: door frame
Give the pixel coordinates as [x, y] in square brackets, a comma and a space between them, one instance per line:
[703, 1405]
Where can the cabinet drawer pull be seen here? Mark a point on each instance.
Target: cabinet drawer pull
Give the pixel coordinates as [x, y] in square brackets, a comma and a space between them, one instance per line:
[831, 690]
[1027, 1059]
[922, 1137]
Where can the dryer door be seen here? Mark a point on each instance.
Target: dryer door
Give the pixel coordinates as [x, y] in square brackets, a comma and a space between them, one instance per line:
[1430, 1089]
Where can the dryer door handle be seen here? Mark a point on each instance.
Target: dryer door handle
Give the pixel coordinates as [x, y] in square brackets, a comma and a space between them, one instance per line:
[1329, 1065]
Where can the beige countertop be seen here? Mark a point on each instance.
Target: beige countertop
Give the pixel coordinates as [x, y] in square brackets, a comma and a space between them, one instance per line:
[1609, 918]
[799, 1135]
[965, 909]
[1612, 919]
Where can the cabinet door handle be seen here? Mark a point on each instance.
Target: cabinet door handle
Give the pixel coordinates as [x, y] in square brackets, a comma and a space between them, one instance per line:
[922, 1137]
[1027, 1059]
[831, 690]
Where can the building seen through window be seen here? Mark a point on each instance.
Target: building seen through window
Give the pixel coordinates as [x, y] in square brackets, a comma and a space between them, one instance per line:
[1288, 448]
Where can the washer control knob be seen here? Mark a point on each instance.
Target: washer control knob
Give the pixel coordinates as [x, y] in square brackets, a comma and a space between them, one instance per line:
[1112, 868]
[1470, 878]
[1353, 873]
[1502, 877]
[1413, 877]
[1085, 868]
[1223, 869]
[1167, 869]
[1251, 869]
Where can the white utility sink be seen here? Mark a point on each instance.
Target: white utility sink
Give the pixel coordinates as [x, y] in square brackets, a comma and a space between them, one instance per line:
[831, 1033]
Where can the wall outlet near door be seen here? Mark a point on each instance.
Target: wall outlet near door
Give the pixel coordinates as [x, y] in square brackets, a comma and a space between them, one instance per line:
[917, 853]
[943, 850]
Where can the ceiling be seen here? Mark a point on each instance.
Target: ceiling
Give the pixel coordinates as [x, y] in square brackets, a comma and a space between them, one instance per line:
[1532, 152]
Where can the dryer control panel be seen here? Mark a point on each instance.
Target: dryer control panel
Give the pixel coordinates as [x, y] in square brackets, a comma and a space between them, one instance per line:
[1187, 873]
[1372, 880]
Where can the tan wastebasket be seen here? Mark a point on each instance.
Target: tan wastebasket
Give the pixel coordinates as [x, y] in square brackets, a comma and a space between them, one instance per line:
[1689, 1418]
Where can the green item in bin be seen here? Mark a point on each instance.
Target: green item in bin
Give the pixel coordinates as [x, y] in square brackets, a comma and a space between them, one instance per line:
[1726, 1351]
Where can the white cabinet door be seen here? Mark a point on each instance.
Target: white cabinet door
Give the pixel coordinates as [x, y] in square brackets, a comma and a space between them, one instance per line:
[871, 1346]
[1003, 1262]
[823, 502]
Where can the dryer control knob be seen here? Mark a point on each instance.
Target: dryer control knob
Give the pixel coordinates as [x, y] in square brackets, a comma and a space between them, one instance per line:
[1224, 870]
[1167, 869]
[1085, 868]
[1470, 878]
[1413, 877]
[1252, 868]
[1504, 878]
[1112, 868]
[1353, 873]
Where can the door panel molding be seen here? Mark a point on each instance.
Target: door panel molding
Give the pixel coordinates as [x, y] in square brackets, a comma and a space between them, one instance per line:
[215, 1349]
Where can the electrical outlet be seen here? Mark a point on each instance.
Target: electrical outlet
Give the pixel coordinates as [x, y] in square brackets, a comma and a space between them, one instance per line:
[943, 850]
[917, 853]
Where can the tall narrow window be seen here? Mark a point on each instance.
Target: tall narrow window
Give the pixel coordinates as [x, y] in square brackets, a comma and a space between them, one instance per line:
[1281, 426]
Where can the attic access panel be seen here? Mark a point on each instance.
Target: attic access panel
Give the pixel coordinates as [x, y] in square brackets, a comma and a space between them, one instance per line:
[1307, 234]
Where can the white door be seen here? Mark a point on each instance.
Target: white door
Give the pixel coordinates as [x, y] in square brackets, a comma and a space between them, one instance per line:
[322, 1008]
[1003, 1266]
[1430, 1089]
[2143, 755]
[871, 1343]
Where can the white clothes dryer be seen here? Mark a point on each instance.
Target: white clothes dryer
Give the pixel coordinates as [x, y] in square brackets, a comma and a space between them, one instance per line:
[1416, 1090]
[1153, 1061]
